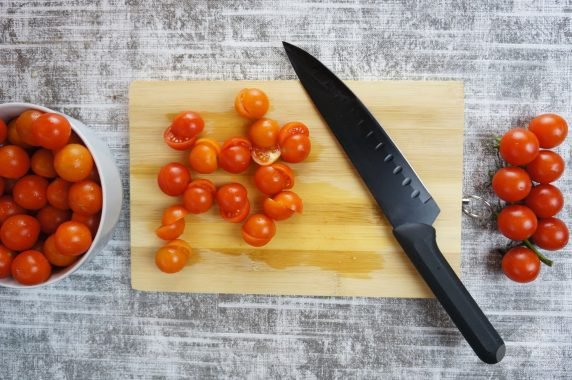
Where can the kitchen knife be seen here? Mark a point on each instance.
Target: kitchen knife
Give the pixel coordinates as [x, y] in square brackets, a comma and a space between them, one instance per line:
[399, 193]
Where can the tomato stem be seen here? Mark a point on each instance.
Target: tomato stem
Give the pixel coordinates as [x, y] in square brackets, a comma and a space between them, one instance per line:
[542, 258]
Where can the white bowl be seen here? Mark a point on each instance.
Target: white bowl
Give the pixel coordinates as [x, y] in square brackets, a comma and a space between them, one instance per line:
[110, 185]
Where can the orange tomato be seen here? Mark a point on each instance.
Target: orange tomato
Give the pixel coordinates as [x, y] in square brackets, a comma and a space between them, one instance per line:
[14, 161]
[264, 133]
[50, 218]
[182, 244]
[51, 131]
[73, 162]
[42, 163]
[72, 238]
[171, 231]
[266, 156]
[31, 268]
[272, 179]
[91, 221]
[171, 258]
[30, 192]
[20, 232]
[258, 230]
[204, 156]
[283, 205]
[24, 126]
[251, 103]
[173, 213]
[294, 140]
[54, 256]
[85, 197]
[57, 193]
[13, 136]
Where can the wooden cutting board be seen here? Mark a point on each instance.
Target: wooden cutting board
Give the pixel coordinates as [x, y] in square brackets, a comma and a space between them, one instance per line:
[342, 244]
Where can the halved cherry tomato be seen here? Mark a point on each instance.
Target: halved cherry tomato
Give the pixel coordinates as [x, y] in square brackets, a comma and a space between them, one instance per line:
[517, 222]
[258, 230]
[273, 179]
[291, 129]
[264, 133]
[251, 103]
[187, 125]
[551, 234]
[171, 231]
[171, 258]
[265, 156]
[73, 238]
[8, 208]
[3, 131]
[51, 131]
[204, 156]
[14, 161]
[550, 129]
[57, 193]
[294, 140]
[547, 167]
[520, 264]
[511, 184]
[50, 218]
[199, 196]
[73, 162]
[519, 146]
[20, 232]
[173, 178]
[24, 126]
[6, 257]
[175, 142]
[235, 155]
[31, 268]
[545, 200]
[173, 214]
[54, 256]
[236, 216]
[91, 221]
[283, 205]
[30, 192]
[85, 197]
[183, 244]
[233, 203]
[42, 163]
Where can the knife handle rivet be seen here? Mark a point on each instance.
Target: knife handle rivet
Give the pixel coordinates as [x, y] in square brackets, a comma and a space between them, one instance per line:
[415, 194]
[397, 169]
[378, 146]
[369, 134]
[388, 158]
[406, 181]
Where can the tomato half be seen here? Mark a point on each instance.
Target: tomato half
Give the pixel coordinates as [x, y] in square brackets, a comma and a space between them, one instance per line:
[57, 193]
[251, 103]
[85, 197]
[550, 129]
[173, 178]
[519, 146]
[171, 258]
[187, 125]
[272, 179]
[264, 133]
[547, 167]
[30, 192]
[291, 129]
[199, 196]
[173, 213]
[31, 268]
[50, 218]
[235, 155]
[521, 264]
[183, 244]
[517, 222]
[175, 142]
[552, 234]
[73, 238]
[51, 131]
[20, 232]
[54, 256]
[545, 200]
[73, 162]
[265, 156]
[204, 156]
[8, 208]
[511, 184]
[24, 127]
[6, 257]
[171, 231]
[42, 163]
[14, 161]
[283, 205]
[258, 230]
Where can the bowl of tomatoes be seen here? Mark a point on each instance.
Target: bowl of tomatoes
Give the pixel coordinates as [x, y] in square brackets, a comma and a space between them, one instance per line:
[60, 195]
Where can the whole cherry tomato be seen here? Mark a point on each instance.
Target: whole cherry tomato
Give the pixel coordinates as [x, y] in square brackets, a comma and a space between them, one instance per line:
[521, 264]
[294, 140]
[42, 163]
[511, 184]
[187, 125]
[233, 202]
[50, 218]
[51, 131]
[264, 133]
[73, 162]
[547, 167]
[14, 161]
[173, 179]
[20, 232]
[551, 234]
[204, 156]
[199, 196]
[54, 256]
[171, 231]
[171, 258]
[30, 192]
[545, 200]
[57, 193]
[13, 136]
[519, 146]
[173, 213]
[6, 257]
[551, 129]
[72, 238]
[283, 205]
[273, 179]
[8, 208]
[235, 155]
[251, 103]
[91, 221]
[258, 230]
[85, 197]
[3, 131]
[517, 222]
[24, 127]
[31, 268]
[265, 156]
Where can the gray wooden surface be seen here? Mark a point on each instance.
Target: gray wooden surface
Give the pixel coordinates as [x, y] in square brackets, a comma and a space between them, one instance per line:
[80, 56]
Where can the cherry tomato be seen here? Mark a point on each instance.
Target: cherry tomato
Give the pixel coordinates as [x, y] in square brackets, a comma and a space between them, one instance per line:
[511, 184]
[273, 179]
[204, 156]
[187, 125]
[57, 193]
[8, 208]
[199, 196]
[14, 161]
[30, 192]
[517, 222]
[171, 231]
[551, 234]
[265, 156]
[264, 133]
[54, 256]
[547, 167]
[283, 205]
[72, 238]
[233, 202]
[171, 258]
[31, 268]
[20, 232]
[13, 136]
[251, 103]
[3, 131]
[73, 162]
[521, 264]
[545, 200]
[94, 174]
[42, 163]
[50, 218]
[85, 197]
[258, 230]
[235, 155]
[2, 186]
[291, 129]
[24, 126]
[294, 140]
[183, 244]
[6, 257]
[91, 221]
[173, 213]
[51, 131]
[519, 146]
[173, 179]
[551, 129]
[175, 142]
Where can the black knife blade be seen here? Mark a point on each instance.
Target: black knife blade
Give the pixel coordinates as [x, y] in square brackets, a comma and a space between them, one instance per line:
[401, 195]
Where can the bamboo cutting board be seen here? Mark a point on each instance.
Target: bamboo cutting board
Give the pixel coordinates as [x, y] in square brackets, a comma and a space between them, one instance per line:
[342, 244]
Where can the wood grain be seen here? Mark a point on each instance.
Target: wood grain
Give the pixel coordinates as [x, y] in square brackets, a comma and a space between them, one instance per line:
[341, 245]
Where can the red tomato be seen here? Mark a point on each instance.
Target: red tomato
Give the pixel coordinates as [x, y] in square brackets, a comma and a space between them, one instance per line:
[235, 155]
[545, 200]
[55, 257]
[50, 218]
[199, 196]
[551, 129]
[283, 205]
[173, 178]
[264, 133]
[73, 162]
[8, 208]
[171, 231]
[521, 264]
[51, 130]
[517, 222]
[511, 184]
[251, 103]
[31, 268]
[20, 232]
[173, 213]
[175, 142]
[187, 125]
[551, 234]
[24, 127]
[291, 129]
[265, 156]
[91, 221]
[6, 257]
[273, 179]
[14, 161]
[518, 146]
[57, 193]
[3, 131]
[13, 136]
[183, 244]
[85, 197]
[171, 258]
[204, 156]
[72, 238]
[294, 140]
[233, 202]
[30, 192]
[258, 230]
[42, 163]
[547, 167]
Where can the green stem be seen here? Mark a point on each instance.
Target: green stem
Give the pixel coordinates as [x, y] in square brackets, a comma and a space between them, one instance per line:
[542, 258]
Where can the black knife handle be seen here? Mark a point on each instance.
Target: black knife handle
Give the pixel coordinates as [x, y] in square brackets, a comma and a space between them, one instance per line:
[418, 241]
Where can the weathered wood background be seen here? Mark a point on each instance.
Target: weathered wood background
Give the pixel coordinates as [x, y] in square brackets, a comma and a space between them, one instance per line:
[80, 56]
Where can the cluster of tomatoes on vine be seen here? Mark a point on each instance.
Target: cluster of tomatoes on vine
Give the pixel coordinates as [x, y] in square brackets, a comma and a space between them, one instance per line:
[265, 143]
[533, 201]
